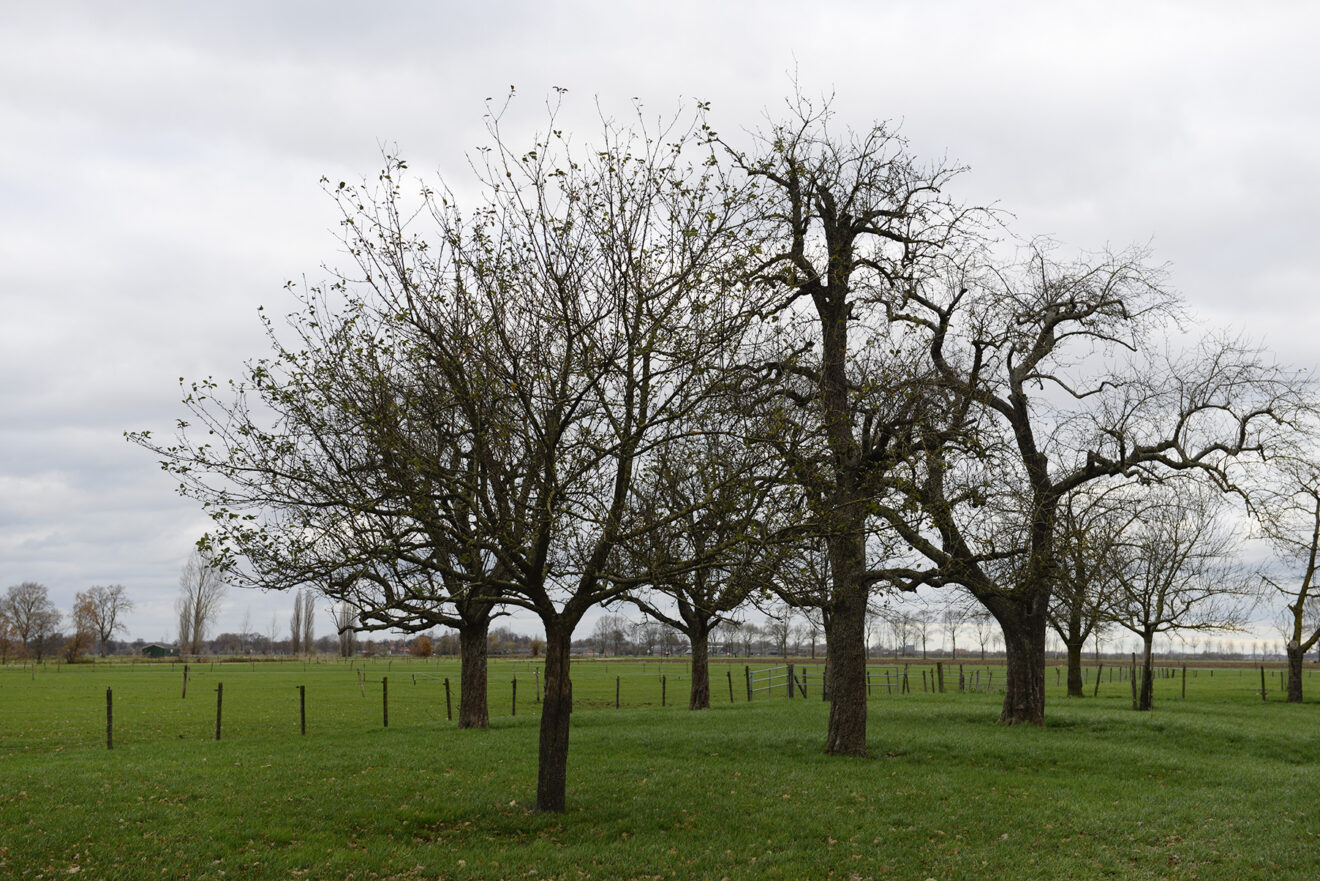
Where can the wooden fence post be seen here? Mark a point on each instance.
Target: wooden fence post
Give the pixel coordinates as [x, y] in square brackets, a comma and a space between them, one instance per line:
[729, 673]
[449, 706]
[385, 701]
[617, 681]
[514, 699]
[939, 672]
[1098, 671]
[663, 686]
[747, 675]
[219, 701]
[537, 674]
[185, 682]
[109, 720]
[1184, 681]
[1262, 683]
[1132, 677]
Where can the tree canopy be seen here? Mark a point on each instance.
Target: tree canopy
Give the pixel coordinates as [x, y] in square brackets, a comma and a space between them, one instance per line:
[662, 367]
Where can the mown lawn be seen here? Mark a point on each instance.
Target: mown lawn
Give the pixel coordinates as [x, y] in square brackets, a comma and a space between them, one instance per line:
[1218, 786]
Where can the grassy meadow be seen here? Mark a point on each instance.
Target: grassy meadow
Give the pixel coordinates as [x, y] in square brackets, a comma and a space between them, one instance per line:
[1217, 786]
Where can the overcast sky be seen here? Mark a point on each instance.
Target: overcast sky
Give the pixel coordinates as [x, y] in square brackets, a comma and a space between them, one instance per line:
[159, 166]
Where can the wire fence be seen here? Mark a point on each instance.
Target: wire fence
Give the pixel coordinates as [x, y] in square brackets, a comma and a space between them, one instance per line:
[53, 707]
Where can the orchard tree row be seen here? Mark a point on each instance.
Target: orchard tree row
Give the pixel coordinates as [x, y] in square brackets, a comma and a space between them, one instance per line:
[685, 372]
[30, 624]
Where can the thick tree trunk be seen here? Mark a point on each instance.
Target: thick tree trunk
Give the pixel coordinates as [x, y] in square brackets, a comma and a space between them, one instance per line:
[1295, 658]
[846, 641]
[472, 706]
[1075, 688]
[699, 695]
[1023, 623]
[1146, 697]
[556, 707]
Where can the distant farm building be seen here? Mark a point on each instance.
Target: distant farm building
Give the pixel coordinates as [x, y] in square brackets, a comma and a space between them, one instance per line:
[156, 650]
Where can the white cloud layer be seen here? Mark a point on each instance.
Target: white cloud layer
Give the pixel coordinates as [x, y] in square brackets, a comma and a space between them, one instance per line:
[159, 168]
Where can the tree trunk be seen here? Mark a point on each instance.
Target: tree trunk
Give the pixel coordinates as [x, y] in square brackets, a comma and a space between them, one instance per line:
[1023, 623]
[846, 653]
[1075, 688]
[699, 695]
[1146, 698]
[556, 707]
[1295, 658]
[472, 707]
[1075, 641]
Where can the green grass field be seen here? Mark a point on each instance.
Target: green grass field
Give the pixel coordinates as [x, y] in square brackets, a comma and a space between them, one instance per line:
[1220, 785]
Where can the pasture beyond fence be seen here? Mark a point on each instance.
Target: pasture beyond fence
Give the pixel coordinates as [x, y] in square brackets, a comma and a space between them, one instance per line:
[57, 707]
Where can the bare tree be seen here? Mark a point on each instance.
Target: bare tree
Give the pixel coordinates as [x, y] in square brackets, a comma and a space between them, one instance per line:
[856, 220]
[296, 624]
[646, 635]
[1286, 505]
[748, 632]
[983, 623]
[9, 639]
[778, 626]
[708, 497]
[517, 369]
[183, 614]
[1090, 525]
[811, 629]
[955, 615]
[32, 616]
[923, 621]
[1177, 569]
[308, 622]
[1058, 367]
[346, 618]
[354, 457]
[875, 624]
[202, 589]
[902, 626]
[105, 608]
[84, 634]
[609, 634]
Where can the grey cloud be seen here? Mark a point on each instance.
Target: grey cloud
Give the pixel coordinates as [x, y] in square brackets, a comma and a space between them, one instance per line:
[158, 181]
